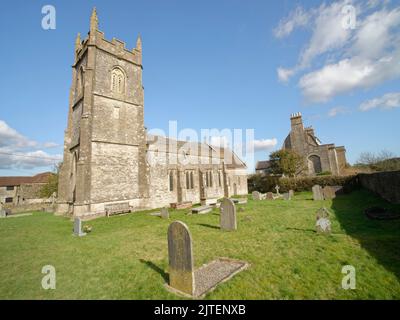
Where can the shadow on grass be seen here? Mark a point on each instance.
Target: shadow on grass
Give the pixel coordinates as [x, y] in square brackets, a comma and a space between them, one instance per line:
[300, 229]
[156, 268]
[380, 238]
[208, 226]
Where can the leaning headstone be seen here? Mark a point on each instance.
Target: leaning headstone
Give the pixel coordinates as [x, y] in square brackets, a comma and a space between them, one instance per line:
[269, 196]
[164, 213]
[323, 224]
[180, 255]
[317, 192]
[228, 215]
[78, 228]
[329, 193]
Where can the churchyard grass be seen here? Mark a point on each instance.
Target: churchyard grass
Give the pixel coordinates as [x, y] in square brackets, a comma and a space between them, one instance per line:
[126, 256]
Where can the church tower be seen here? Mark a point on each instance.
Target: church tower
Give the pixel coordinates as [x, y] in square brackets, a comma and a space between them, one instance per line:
[105, 143]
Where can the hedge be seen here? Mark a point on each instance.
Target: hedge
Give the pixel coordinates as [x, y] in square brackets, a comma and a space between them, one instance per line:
[265, 184]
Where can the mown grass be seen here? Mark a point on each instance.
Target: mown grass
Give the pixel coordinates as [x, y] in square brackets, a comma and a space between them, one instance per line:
[125, 257]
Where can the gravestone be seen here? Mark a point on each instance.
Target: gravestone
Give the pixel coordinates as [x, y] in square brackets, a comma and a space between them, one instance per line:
[277, 190]
[256, 195]
[286, 196]
[317, 192]
[270, 196]
[330, 192]
[3, 213]
[180, 255]
[78, 228]
[323, 224]
[164, 213]
[228, 215]
[291, 193]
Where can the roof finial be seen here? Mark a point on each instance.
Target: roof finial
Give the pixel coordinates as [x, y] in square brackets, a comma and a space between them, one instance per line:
[139, 44]
[78, 42]
[94, 21]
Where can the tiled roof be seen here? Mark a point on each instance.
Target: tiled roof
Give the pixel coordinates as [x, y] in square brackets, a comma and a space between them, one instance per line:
[18, 180]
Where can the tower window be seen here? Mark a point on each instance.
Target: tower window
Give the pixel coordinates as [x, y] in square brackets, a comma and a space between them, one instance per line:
[117, 81]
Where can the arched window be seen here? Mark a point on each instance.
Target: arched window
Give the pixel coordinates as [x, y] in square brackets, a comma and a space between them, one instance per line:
[314, 164]
[171, 181]
[117, 81]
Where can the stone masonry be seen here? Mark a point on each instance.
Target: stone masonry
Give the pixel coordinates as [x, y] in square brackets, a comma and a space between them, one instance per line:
[108, 156]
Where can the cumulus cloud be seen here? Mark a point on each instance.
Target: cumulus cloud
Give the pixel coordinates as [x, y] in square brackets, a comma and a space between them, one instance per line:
[351, 58]
[386, 102]
[263, 144]
[347, 75]
[20, 152]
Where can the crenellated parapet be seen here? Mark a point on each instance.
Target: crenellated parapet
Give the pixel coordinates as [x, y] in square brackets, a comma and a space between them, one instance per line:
[117, 47]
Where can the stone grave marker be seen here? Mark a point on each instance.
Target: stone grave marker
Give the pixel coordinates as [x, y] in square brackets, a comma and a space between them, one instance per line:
[256, 195]
[277, 190]
[180, 257]
[317, 192]
[291, 193]
[164, 213]
[330, 192]
[78, 227]
[323, 224]
[286, 196]
[270, 196]
[228, 215]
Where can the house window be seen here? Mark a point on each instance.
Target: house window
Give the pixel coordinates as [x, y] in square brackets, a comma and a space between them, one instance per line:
[117, 81]
[10, 188]
[171, 181]
[9, 200]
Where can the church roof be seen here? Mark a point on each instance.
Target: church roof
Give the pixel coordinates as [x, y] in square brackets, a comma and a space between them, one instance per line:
[170, 145]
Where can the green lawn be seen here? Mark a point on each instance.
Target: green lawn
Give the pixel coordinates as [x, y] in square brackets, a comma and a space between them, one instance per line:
[125, 257]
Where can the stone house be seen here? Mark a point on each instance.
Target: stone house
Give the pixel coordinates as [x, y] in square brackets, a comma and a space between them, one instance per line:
[22, 189]
[109, 159]
[318, 157]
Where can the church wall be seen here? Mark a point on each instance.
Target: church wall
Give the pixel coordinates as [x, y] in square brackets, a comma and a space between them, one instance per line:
[114, 172]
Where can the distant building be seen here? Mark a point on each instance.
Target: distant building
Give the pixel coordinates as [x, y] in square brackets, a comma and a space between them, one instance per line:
[263, 167]
[318, 157]
[22, 190]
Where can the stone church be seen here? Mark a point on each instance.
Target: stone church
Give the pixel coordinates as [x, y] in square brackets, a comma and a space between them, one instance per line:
[110, 160]
[318, 157]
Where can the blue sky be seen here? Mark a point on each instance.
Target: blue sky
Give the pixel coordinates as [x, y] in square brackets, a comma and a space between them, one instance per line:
[211, 64]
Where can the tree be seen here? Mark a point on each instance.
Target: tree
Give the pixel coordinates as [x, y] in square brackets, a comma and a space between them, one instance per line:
[382, 161]
[286, 162]
[52, 184]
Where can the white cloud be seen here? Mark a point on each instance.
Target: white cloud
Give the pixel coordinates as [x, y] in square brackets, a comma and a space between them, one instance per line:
[386, 102]
[20, 152]
[347, 75]
[262, 145]
[297, 18]
[284, 74]
[351, 59]
[336, 111]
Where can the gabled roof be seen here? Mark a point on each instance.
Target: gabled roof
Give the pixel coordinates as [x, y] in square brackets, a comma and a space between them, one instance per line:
[18, 180]
[263, 165]
[197, 148]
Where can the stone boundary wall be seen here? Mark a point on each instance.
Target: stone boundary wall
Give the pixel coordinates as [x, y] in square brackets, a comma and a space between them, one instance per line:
[384, 184]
